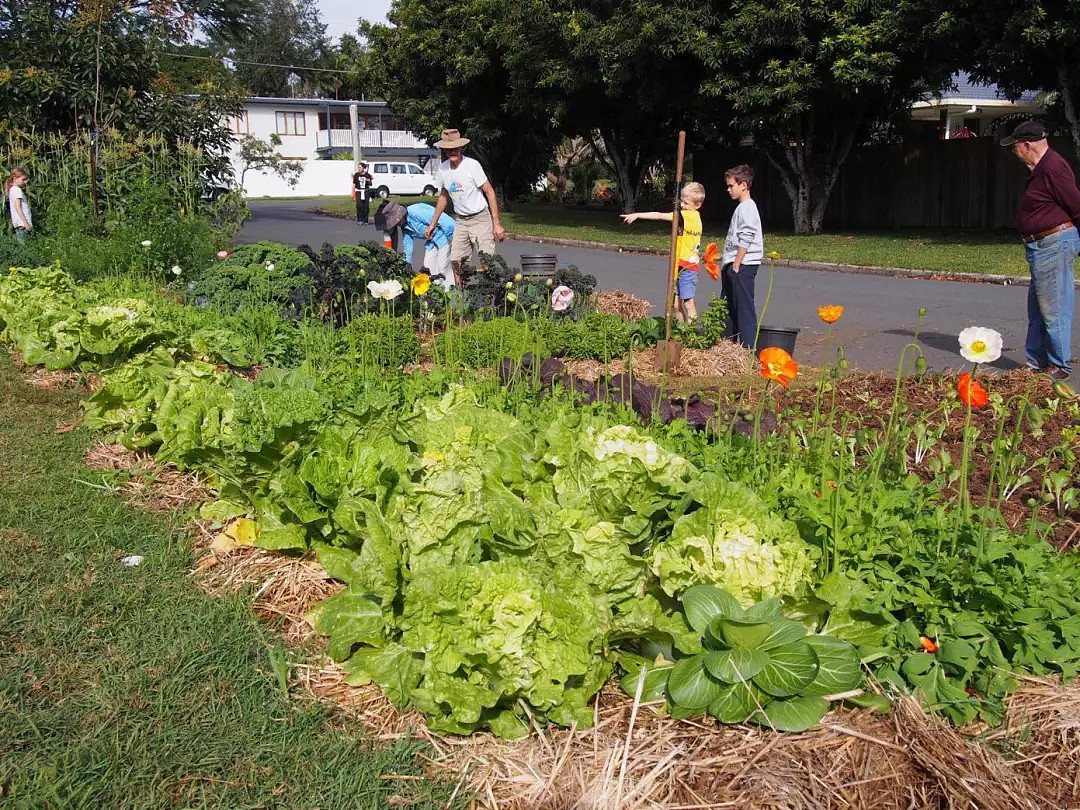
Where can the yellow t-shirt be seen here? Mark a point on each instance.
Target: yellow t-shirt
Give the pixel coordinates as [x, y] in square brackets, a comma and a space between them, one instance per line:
[689, 240]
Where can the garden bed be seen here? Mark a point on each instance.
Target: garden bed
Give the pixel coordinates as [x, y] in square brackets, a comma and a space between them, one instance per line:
[634, 757]
[498, 550]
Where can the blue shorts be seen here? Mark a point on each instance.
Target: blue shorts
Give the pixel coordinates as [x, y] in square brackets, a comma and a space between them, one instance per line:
[686, 285]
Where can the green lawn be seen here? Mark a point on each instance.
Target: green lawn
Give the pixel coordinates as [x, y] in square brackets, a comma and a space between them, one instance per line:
[128, 687]
[945, 251]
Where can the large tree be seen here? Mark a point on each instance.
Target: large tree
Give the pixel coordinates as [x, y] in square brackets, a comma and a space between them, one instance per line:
[283, 52]
[1026, 46]
[623, 77]
[66, 64]
[449, 63]
[808, 81]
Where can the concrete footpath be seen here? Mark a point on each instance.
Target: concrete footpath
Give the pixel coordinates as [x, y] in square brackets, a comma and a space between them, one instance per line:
[880, 311]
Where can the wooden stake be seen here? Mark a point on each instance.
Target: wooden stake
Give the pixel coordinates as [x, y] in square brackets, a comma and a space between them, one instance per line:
[674, 259]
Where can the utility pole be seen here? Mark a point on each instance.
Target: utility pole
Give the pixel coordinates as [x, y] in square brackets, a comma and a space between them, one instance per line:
[354, 123]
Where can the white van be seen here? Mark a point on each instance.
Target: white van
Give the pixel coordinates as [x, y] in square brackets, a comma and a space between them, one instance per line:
[391, 177]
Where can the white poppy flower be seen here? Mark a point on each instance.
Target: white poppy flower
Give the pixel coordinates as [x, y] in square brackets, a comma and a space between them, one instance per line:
[980, 345]
[386, 290]
[176, 270]
[146, 243]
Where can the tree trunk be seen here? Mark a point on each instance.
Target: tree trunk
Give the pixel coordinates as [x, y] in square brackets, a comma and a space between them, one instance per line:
[626, 165]
[1068, 100]
[808, 175]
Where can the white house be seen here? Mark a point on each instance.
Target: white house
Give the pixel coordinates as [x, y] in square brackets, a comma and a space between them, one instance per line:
[969, 110]
[315, 131]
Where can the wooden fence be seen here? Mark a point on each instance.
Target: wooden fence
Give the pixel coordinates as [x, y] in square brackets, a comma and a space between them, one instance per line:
[963, 183]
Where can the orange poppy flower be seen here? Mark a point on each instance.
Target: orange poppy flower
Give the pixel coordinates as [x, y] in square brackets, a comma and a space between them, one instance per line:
[928, 644]
[972, 392]
[776, 364]
[831, 313]
[712, 260]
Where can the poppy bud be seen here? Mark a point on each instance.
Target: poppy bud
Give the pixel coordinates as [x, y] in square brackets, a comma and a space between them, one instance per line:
[1035, 415]
[1063, 389]
[920, 364]
[1031, 503]
[509, 285]
[922, 312]
[843, 364]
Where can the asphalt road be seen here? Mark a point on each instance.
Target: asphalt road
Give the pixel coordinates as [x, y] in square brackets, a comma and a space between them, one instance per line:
[880, 312]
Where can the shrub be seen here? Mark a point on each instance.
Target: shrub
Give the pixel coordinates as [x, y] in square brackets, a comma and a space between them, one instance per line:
[256, 276]
[597, 337]
[382, 341]
[484, 344]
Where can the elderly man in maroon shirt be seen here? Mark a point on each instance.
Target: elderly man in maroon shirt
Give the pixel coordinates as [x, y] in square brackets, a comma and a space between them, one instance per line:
[1049, 213]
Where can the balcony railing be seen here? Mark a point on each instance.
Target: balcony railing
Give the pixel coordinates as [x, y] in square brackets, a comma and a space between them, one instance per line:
[369, 139]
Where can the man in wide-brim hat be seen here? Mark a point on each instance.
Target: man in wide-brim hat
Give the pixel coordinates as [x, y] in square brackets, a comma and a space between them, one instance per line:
[1048, 219]
[463, 180]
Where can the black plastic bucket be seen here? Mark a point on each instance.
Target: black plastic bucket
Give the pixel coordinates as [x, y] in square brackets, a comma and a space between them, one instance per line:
[780, 337]
[539, 265]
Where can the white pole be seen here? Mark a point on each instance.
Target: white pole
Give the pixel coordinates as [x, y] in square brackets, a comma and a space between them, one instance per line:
[354, 122]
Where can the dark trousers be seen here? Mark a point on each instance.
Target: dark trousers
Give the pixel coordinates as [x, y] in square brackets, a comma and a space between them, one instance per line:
[738, 292]
[362, 209]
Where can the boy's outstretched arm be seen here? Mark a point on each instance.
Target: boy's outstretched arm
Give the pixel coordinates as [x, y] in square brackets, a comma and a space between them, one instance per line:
[657, 215]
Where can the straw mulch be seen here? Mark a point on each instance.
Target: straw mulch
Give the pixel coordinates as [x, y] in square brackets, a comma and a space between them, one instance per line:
[725, 359]
[150, 485]
[635, 758]
[624, 304]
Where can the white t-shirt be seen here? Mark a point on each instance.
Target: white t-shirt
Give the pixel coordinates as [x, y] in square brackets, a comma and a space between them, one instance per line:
[463, 184]
[16, 193]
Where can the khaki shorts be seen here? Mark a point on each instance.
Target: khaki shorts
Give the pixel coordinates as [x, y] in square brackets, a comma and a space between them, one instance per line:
[472, 232]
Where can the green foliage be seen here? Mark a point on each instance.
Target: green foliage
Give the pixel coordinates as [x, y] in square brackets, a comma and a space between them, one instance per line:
[255, 276]
[431, 70]
[597, 337]
[148, 191]
[485, 343]
[135, 669]
[381, 341]
[809, 81]
[735, 542]
[704, 333]
[749, 665]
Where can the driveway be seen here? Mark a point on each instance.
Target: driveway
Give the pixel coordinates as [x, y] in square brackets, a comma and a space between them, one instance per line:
[880, 312]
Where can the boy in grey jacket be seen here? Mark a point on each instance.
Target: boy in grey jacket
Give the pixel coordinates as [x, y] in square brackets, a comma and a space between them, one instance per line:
[743, 251]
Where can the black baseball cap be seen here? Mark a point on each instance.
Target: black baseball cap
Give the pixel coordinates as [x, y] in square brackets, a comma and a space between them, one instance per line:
[1027, 131]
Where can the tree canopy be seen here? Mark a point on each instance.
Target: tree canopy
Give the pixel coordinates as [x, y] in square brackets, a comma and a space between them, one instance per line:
[1031, 46]
[810, 80]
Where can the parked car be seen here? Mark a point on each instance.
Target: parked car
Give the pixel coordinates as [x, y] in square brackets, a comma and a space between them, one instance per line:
[401, 178]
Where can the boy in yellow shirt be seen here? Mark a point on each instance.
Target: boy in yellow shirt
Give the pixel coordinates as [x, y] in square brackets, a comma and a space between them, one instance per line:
[686, 247]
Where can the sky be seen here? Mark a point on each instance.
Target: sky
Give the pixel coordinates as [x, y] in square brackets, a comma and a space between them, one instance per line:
[340, 16]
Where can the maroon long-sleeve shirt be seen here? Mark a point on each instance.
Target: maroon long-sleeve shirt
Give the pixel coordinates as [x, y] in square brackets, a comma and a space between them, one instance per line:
[1051, 196]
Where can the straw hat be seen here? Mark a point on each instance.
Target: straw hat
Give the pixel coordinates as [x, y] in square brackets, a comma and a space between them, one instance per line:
[451, 139]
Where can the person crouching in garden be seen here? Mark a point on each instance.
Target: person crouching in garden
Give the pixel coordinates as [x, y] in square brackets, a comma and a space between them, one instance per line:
[436, 248]
[687, 247]
[21, 219]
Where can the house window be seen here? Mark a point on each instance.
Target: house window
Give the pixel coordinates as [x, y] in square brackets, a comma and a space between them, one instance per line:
[291, 123]
[238, 124]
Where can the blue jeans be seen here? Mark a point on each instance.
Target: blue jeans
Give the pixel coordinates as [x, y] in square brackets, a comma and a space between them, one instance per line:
[1050, 299]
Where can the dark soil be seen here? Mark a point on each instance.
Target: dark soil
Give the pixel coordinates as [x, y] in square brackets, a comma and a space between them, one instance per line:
[865, 400]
